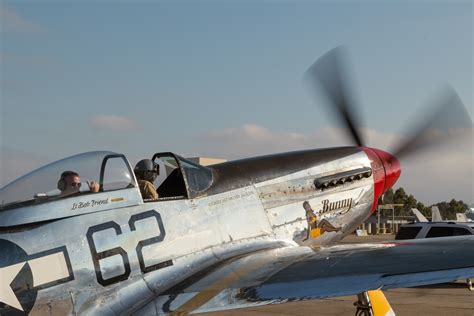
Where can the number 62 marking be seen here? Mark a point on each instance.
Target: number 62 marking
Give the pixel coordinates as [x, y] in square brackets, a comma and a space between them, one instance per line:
[97, 256]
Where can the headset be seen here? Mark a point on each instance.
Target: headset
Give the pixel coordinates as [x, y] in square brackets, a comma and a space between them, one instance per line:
[62, 181]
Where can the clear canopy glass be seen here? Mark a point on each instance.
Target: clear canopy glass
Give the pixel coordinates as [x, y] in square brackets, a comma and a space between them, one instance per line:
[170, 181]
[110, 170]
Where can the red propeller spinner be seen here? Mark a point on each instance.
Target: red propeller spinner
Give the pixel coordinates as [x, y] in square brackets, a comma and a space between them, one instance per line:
[385, 169]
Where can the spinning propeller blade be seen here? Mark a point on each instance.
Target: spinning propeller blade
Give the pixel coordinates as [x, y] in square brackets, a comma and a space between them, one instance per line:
[329, 73]
[449, 120]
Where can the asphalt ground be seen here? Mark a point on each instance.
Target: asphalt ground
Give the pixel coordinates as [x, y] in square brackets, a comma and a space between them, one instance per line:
[451, 299]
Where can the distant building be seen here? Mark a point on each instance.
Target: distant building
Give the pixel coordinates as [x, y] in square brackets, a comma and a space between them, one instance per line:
[206, 161]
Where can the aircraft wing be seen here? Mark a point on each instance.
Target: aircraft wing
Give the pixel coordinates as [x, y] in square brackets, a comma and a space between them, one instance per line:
[297, 273]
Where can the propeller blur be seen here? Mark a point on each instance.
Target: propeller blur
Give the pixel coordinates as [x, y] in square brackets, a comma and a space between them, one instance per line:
[242, 233]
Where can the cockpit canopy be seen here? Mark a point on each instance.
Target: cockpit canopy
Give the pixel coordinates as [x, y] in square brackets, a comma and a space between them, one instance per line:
[179, 178]
[111, 170]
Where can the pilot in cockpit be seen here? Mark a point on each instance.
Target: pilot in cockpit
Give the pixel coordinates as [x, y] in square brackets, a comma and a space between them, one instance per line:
[70, 183]
[146, 172]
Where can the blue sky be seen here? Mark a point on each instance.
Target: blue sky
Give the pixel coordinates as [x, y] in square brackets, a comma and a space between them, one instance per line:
[223, 78]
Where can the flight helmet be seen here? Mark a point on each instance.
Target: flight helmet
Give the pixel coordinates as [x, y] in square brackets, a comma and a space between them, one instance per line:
[147, 170]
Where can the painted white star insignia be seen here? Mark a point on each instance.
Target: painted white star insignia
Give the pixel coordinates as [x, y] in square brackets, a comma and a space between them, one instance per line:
[7, 275]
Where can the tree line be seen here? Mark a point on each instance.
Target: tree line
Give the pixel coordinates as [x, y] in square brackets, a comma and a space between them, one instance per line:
[448, 210]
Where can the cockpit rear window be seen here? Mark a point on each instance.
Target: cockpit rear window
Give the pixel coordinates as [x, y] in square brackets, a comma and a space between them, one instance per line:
[110, 171]
[199, 178]
[180, 177]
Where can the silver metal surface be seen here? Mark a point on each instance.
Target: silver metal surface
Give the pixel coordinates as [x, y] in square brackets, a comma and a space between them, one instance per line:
[225, 250]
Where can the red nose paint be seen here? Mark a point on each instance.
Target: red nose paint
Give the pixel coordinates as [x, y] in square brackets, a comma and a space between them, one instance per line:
[385, 169]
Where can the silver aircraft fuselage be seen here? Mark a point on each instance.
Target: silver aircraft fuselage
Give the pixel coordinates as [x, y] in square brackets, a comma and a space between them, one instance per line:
[113, 253]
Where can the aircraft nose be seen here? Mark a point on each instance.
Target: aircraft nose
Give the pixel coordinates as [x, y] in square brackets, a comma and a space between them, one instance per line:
[391, 166]
[385, 169]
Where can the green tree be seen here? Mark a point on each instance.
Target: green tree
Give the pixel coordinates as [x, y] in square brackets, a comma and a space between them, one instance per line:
[449, 210]
[399, 196]
[410, 201]
[426, 211]
[443, 207]
[388, 196]
[457, 206]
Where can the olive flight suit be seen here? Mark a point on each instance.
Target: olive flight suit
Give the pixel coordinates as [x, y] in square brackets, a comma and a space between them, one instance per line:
[147, 189]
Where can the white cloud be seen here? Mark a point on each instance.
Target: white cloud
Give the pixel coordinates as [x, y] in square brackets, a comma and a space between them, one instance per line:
[112, 123]
[434, 175]
[12, 22]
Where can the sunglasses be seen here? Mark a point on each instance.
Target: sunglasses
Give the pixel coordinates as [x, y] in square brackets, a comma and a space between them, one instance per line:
[76, 184]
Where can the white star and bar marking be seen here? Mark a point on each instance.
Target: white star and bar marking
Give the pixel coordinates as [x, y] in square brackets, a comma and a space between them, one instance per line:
[45, 269]
[7, 275]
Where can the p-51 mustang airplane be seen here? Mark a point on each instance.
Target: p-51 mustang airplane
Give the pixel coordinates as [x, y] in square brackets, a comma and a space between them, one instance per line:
[237, 234]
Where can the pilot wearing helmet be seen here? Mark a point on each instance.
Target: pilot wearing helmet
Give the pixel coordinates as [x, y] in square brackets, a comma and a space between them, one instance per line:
[146, 172]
